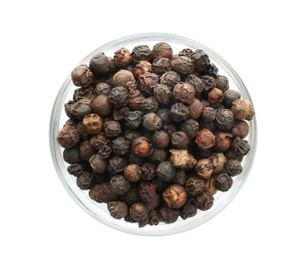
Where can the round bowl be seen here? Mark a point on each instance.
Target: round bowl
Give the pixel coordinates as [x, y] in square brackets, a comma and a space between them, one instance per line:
[99, 210]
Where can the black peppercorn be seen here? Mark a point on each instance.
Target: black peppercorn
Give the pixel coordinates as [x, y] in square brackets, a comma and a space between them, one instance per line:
[196, 82]
[118, 96]
[205, 139]
[233, 167]
[147, 82]
[119, 185]
[218, 160]
[160, 139]
[147, 191]
[141, 52]
[97, 140]
[162, 94]
[208, 83]
[152, 122]
[72, 155]
[132, 120]
[120, 146]
[116, 165]
[181, 159]
[102, 193]
[102, 88]
[204, 201]
[195, 109]
[112, 128]
[169, 129]
[190, 127]
[99, 64]
[132, 173]
[85, 180]
[180, 177]
[179, 112]
[82, 76]
[86, 150]
[174, 196]
[101, 106]
[161, 65]
[209, 114]
[97, 163]
[179, 140]
[223, 182]
[119, 113]
[186, 52]
[222, 82]
[138, 212]
[224, 119]
[170, 78]
[68, 136]
[240, 128]
[75, 169]
[148, 105]
[188, 210]
[230, 96]
[165, 172]
[158, 156]
[182, 65]
[168, 215]
[85, 92]
[142, 146]
[117, 209]
[239, 146]
[125, 79]
[162, 49]
[200, 60]
[242, 109]
[204, 168]
[105, 151]
[215, 97]
[122, 58]
[223, 141]
[164, 114]
[212, 69]
[184, 93]
[142, 67]
[81, 108]
[148, 171]
[195, 186]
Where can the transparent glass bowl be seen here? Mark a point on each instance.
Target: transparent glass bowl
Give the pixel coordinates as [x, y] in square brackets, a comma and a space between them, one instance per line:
[99, 210]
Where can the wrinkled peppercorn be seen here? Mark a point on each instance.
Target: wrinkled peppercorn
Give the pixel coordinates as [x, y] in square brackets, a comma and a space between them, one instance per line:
[142, 146]
[152, 122]
[132, 173]
[230, 96]
[165, 171]
[120, 146]
[168, 215]
[102, 88]
[209, 114]
[190, 127]
[86, 150]
[148, 171]
[174, 196]
[204, 201]
[81, 108]
[75, 169]
[72, 155]
[182, 65]
[224, 119]
[99, 64]
[161, 65]
[148, 105]
[119, 185]
[112, 128]
[82, 76]
[162, 49]
[180, 177]
[204, 168]
[142, 67]
[101, 106]
[222, 82]
[125, 79]
[141, 52]
[179, 140]
[188, 210]
[85, 180]
[122, 58]
[162, 94]
[200, 60]
[195, 109]
[205, 139]
[117, 209]
[196, 82]
[93, 123]
[132, 120]
[116, 165]
[97, 140]
[179, 112]
[138, 211]
[218, 160]
[240, 128]
[181, 159]
[215, 97]
[68, 136]
[170, 78]
[195, 186]
[208, 83]
[222, 141]
[184, 93]
[97, 163]
[147, 82]
[233, 167]
[223, 182]
[147, 191]
[242, 109]
[160, 139]
[157, 156]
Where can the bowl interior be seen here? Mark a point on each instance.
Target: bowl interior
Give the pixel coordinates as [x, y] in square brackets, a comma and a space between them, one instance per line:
[99, 211]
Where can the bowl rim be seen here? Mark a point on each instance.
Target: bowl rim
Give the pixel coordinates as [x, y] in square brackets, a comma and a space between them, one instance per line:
[168, 229]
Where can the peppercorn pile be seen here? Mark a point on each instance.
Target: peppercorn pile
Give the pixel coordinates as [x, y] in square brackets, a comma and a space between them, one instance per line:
[154, 134]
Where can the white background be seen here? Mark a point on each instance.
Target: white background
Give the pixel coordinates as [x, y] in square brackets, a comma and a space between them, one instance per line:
[41, 41]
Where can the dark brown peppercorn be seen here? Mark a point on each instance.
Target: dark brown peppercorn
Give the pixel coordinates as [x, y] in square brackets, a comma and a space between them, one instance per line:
[184, 93]
[132, 196]
[233, 167]
[208, 114]
[162, 94]
[195, 186]
[196, 82]
[239, 146]
[182, 65]
[148, 105]
[218, 160]
[119, 185]
[102, 193]
[152, 122]
[154, 203]
[132, 173]
[86, 150]
[179, 140]
[72, 155]
[141, 52]
[170, 129]
[119, 113]
[68, 109]
[132, 120]
[75, 169]
[81, 108]
[240, 128]
[68, 136]
[142, 67]
[223, 141]
[99, 64]
[174, 196]
[138, 212]
[85, 180]
[98, 140]
[186, 52]
[147, 82]
[93, 123]
[132, 158]
[116, 165]
[158, 156]
[112, 128]
[82, 76]
[181, 159]
[161, 65]
[205, 139]
[162, 49]
[190, 127]
[135, 100]
[101, 106]
[210, 185]
[130, 135]
[212, 69]
[165, 115]
[230, 96]
[180, 177]
[122, 58]
[170, 78]
[195, 109]
[125, 79]
[187, 211]
[142, 146]
[222, 82]
[179, 112]
[242, 109]
[168, 215]
[97, 163]
[120, 146]
[119, 96]
[117, 209]
[204, 168]
[223, 182]
[148, 171]
[105, 151]
[153, 218]
[208, 83]
[165, 172]
[160, 139]
[215, 97]
[147, 191]
[200, 60]
[224, 119]
[102, 88]
[204, 201]
[85, 92]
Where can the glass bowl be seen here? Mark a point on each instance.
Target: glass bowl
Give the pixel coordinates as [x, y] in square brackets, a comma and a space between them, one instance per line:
[99, 210]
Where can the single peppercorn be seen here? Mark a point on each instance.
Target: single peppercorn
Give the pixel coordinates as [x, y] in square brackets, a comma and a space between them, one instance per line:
[210, 185]
[72, 155]
[81, 108]
[147, 191]
[205, 139]
[184, 93]
[85, 180]
[222, 82]
[119, 185]
[180, 177]
[165, 172]
[218, 160]
[215, 97]
[101, 105]
[153, 218]
[122, 58]
[233, 167]
[154, 203]
[119, 113]
[162, 94]
[138, 211]
[85, 92]
[168, 215]
[119, 96]
[120, 146]
[190, 127]
[170, 78]
[174, 196]
[93, 123]
[142, 67]
[142, 146]
[208, 83]
[182, 65]
[135, 100]
[97, 163]
[112, 128]
[68, 136]
[240, 128]
[194, 186]
[140, 53]
[179, 112]
[181, 159]
[160, 139]
[223, 182]
[102, 88]
[212, 69]
[161, 65]
[148, 171]
[195, 109]
[196, 82]
[82, 76]
[75, 169]
[230, 96]
[148, 105]
[117, 209]
[222, 141]
[224, 119]
[242, 109]
[204, 168]
[126, 79]
[97, 140]
[133, 120]
[158, 156]
[179, 140]
[105, 151]
[200, 60]
[86, 150]
[186, 52]
[188, 210]
[240, 147]
[131, 135]
[132, 173]
[204, 201]
[132, 196]
[162, 49]
[165, 115]
[147, 82]
[102, 193]
[170, 129]
[99, 64]
[152, 122]
[209, 114]
[116, 165]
